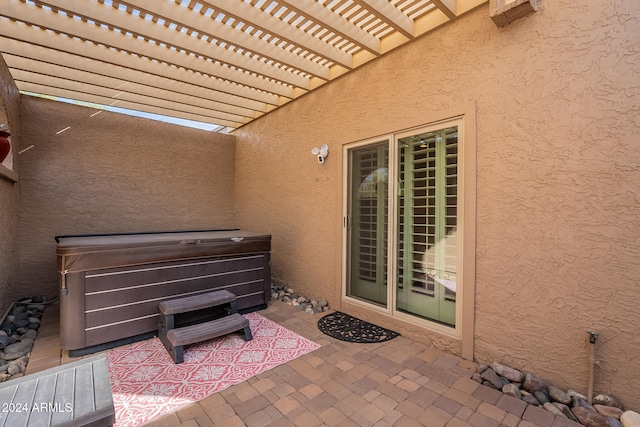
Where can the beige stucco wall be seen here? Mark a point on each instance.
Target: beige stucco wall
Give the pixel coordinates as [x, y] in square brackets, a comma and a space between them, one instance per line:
[558, 183]
[113, 173]
[9, 191]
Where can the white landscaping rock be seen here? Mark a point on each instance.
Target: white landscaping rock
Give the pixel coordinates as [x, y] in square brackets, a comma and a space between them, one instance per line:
[630, 419]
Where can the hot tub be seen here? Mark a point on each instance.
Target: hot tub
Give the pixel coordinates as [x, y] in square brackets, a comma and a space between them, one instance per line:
[111, 285]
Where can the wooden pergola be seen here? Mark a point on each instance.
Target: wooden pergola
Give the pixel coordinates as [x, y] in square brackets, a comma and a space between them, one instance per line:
[222, 62]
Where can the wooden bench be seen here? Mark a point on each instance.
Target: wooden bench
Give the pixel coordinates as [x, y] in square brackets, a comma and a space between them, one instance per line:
[73, 394]
[175, 338]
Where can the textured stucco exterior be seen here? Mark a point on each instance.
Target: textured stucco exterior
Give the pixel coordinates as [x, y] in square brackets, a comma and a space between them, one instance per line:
[9, 191]
[557, 101]
[112, 173]
[558, 182]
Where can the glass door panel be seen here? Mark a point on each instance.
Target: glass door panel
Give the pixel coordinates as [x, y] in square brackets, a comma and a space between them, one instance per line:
[368, 206]
[427, 223]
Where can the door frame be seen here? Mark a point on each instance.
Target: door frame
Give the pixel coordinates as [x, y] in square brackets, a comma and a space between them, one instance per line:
[465, 311]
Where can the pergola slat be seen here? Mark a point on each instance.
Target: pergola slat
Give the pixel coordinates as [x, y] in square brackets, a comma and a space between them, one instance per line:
[292, 34]
[24, 65]
[335, 23]
[212, 28]
[32, 38]
[448, 7]
[386, 12]
[116, 96]
[102, 100]
[97, 34]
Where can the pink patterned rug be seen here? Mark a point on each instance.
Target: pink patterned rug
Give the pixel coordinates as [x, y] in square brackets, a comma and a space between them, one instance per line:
[146, 384]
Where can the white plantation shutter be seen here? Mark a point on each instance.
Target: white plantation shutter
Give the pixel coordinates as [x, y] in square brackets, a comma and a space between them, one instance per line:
[369, 217]
[427, 215]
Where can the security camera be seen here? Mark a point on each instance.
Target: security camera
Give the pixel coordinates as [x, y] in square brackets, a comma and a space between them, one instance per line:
[321, 153]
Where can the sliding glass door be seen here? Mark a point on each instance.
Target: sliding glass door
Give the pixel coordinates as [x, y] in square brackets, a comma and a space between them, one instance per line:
[368, 221]
[402, 211]
[427, 224]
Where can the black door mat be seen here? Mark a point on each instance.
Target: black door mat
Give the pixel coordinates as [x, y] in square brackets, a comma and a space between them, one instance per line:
[343, 327]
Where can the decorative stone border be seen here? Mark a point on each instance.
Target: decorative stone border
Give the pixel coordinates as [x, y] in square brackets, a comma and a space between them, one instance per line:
[605, 410]
[17, 336]
[289, 296]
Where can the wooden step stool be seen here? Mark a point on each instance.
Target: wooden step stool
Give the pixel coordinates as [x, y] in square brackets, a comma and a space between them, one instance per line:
[174, 339]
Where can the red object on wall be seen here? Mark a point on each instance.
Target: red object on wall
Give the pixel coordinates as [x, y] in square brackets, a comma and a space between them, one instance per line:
[5, 146]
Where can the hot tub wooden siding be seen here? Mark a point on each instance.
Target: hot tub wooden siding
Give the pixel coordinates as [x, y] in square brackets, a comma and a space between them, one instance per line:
[111, 286]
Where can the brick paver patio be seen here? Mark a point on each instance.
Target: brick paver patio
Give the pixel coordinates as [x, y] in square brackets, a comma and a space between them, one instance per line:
[399, 383]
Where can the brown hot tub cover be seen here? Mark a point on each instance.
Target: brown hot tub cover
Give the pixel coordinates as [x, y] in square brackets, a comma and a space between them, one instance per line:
[91, 252]
[111, 285]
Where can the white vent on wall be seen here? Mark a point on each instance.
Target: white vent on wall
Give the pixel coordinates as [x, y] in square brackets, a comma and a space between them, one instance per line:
[504, 12]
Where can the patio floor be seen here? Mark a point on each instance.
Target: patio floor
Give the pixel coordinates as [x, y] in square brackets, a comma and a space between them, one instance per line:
[397, 383]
